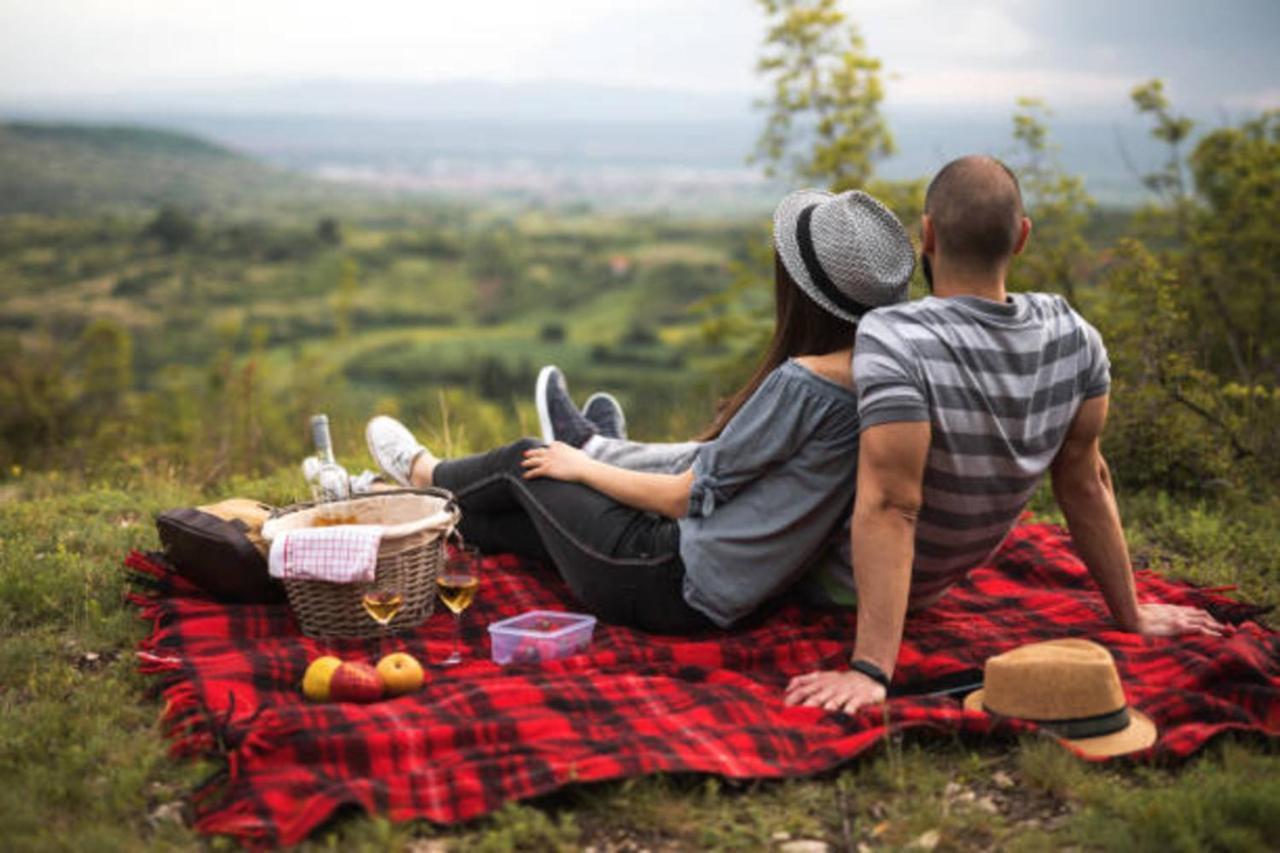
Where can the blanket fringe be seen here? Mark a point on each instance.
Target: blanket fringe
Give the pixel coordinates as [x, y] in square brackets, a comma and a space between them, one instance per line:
[142, 564]
[240, 820]
[185, 723]
[217, 813]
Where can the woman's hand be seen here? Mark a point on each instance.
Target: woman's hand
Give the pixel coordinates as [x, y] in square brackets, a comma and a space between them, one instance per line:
[835, 691]
[557, 460]
[1169, 620]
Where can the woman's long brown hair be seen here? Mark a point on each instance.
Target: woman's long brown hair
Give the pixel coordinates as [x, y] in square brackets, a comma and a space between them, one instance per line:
[800, 327]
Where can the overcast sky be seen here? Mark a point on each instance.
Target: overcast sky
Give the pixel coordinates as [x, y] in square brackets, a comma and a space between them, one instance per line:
[1075, 53]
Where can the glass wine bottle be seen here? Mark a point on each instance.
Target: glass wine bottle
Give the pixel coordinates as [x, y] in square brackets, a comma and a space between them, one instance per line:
[330, 481]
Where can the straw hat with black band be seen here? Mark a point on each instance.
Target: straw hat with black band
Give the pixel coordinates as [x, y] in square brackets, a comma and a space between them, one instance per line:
[847, 251]
[1070, 688]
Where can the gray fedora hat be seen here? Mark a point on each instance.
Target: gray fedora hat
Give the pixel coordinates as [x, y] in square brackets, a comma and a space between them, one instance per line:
[848, 252]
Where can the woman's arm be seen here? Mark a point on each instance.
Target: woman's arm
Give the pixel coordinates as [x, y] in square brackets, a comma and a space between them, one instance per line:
[665, 494]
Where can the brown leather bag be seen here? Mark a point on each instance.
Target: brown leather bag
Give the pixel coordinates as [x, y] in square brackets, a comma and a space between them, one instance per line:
[219, 547]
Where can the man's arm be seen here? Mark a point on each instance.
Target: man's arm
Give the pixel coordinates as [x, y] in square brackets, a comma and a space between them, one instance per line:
[891, 462]
[665, 494]
[1082, 487]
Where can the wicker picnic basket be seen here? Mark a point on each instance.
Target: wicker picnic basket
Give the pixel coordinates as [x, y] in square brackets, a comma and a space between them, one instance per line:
[416, 523]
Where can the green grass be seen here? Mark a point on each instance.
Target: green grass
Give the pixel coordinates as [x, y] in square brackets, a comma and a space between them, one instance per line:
[1230, 541]
[83, 763]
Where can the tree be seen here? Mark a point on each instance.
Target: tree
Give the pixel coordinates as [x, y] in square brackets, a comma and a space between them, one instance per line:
[35, 396]
[1057, 203]
[1169, 182]
[329, 232]
[495, 260]
[174, 228]
[824, 123]
[1192, 327]
[1236, 174]
[1170, 427]
[106, 358]
[823, 128]
[1220, 226]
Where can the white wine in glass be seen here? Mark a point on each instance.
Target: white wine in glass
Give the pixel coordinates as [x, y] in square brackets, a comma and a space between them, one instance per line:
[457, 591]
[457, 586]
[382, 605]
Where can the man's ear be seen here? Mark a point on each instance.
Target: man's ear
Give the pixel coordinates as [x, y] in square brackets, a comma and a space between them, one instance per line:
[1024, 233]
[928, 236]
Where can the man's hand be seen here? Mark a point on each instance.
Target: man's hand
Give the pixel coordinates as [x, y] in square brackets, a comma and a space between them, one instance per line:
[557, 460]
[1170, 620]
[834, 691]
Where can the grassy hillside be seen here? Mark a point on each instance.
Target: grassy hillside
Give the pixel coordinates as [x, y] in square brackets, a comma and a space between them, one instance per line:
[144, 367]
[83, 765]
[65, 168]
[348, 312]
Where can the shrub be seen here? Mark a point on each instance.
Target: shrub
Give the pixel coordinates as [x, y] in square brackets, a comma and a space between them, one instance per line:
[174, 228]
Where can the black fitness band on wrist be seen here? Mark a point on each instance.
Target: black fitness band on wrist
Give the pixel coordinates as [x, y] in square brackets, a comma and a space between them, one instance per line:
[871, 671]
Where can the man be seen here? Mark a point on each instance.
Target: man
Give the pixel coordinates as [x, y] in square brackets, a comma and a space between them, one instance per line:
[965, 399]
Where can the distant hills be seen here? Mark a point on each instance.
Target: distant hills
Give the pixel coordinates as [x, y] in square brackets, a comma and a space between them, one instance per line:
[74, 168]
[540, 100]
[532, 142]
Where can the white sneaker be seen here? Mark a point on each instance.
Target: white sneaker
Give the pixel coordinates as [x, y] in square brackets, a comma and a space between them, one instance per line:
[393, 447]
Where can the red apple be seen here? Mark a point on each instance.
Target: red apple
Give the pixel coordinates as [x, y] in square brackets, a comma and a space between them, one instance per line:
[355, 682]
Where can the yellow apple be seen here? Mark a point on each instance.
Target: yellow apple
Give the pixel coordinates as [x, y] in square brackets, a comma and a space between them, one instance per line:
[319, 675]
[400, 673]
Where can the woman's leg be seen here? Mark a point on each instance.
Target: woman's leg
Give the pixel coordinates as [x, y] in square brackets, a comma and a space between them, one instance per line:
[623, 564]
[654, 457]
[496, 532]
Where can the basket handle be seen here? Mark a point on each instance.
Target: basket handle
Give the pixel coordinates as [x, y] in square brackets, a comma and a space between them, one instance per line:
[455, 538]
[451, 502]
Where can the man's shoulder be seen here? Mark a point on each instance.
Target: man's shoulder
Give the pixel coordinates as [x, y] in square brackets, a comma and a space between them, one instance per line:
[891, 320]
[1047, 304]
[1030, 305]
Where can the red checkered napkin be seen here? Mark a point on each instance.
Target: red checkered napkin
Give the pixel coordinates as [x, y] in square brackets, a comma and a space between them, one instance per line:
[343, 554]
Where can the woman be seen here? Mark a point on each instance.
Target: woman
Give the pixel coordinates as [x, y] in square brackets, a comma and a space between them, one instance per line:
[676, 552]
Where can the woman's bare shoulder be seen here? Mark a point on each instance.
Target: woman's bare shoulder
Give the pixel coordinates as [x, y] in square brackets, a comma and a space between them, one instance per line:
[834, 366]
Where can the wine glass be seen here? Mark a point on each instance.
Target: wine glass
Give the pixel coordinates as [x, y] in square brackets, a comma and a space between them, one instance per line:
[382, 601]
[457, 587]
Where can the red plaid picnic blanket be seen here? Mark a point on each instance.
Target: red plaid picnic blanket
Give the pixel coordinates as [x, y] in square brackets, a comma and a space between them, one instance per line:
[479, 735]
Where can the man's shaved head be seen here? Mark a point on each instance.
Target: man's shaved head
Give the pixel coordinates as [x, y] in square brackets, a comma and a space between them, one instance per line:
[975, 205]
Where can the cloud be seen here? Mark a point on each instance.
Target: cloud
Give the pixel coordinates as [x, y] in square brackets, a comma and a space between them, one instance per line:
[1267, 99]
[981, 32]
[986, 33]
[1085, 52]
[1000, 88]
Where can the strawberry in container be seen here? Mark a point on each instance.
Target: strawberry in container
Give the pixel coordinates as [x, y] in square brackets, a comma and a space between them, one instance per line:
[540, 635]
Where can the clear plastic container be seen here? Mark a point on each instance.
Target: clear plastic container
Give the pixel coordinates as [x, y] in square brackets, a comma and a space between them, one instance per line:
[540, 635]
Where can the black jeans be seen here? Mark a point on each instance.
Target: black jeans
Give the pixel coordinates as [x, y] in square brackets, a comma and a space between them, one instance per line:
[623, 564]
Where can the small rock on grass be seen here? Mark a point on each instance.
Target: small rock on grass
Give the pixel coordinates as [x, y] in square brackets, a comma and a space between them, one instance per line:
[926, 840]
[1002, 780]
[426, 845]
[166, 813]
[805, 845]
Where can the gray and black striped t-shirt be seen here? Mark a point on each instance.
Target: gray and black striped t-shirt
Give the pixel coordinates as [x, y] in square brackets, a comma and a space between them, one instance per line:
[1000, 383]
